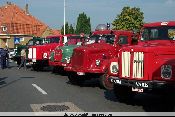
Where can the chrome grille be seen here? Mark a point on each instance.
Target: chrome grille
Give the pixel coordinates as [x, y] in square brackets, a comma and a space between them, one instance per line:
[126, 58]
[138, 65]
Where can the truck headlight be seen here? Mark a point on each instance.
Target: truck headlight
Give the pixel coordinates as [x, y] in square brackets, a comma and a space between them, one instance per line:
[67, 60]
[45, 55]
[97, 62]
[166, 71]
[114, 67]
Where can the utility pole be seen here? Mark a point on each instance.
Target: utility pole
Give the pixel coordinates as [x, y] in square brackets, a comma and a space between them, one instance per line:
[64, 17]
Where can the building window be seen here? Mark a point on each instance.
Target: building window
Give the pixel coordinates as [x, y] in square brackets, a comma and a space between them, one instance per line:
[4, 28]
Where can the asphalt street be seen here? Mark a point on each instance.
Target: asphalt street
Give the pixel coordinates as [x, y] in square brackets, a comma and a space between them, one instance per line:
[28, 91]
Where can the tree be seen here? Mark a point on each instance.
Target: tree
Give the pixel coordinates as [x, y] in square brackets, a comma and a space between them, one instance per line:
[66, 29]
[83, 24]
[129, 19]
[71, 29]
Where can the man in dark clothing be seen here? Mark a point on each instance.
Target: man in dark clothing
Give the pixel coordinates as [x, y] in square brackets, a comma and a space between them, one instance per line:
[7, 57]
[3, 58]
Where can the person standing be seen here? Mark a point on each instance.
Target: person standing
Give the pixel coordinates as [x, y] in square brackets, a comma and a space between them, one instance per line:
[7, 56]
[23, 59]
[3, 58]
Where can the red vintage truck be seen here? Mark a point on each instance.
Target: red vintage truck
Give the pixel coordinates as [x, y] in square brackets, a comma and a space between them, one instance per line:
[39, 54]
[148, 66]
[92, 60]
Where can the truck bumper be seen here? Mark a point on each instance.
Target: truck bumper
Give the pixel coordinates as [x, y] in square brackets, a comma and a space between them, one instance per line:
[82, 70]
[142, 84]
[57, 63]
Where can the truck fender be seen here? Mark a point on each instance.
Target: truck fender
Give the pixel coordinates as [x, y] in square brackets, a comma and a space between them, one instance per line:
[107, 63]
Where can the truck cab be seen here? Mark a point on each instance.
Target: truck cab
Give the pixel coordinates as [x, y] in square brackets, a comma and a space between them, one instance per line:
[39, 54]
[93, 59]
[31, 42]
[148, 66]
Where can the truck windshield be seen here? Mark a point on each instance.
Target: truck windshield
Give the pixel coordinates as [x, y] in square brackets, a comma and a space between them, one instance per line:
[52, 40]
[110, 39]
[158, 33]
[96, 38]
[34, 42]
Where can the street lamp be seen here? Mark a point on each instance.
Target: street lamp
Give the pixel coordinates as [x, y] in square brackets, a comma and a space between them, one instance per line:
[64, 17]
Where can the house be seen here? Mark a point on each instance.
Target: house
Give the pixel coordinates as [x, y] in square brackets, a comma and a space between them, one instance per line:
[18, 26]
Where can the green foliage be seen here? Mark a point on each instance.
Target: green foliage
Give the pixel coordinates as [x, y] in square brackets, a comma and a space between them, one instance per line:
[83, 24]
[69, 29]
[129, 19]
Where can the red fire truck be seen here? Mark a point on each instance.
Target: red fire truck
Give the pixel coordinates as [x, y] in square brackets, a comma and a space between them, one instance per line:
[148, 66]
[92, 60]
[40, 54]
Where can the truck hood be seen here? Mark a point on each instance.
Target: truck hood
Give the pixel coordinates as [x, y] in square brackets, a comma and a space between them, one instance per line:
[152, 47]
[96, 47]
[67, 48]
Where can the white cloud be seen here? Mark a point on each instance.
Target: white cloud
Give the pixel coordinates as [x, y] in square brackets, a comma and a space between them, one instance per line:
[170, 2]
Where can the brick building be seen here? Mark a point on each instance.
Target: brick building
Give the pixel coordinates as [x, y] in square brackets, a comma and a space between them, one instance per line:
[19, 24]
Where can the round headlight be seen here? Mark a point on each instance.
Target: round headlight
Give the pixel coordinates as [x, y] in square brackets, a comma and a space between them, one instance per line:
[114, 67]
[166, 71]
[67, 60]
[97, 62]
[45, 55]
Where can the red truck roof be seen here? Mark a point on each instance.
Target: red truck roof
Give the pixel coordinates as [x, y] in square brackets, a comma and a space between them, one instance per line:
[53, 36]
[156, 24]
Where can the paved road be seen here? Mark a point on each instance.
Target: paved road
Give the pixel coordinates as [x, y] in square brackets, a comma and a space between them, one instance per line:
[20, 89]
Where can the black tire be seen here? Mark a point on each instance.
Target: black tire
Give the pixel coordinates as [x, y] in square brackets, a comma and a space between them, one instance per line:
[124, 93]
[104, 83]
[55, 69]
[37, 68]
[75, 79]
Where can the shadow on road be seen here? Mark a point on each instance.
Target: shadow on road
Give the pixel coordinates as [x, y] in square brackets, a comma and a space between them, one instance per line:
[89, 83]
[149, 102]
[2, 81]
[27, 77]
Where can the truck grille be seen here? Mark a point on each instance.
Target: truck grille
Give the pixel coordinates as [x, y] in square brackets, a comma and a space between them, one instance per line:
[138, 64]
[78, 59]
[32, 53]
[126, 64]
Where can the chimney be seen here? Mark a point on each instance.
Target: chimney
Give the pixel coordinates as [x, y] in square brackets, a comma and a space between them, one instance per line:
[9, 3]
[27, 9]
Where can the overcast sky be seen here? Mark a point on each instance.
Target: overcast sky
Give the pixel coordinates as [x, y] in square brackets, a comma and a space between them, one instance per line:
[100, 11]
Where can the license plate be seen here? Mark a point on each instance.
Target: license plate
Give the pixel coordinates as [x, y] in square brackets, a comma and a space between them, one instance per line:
[30, 63]
[116, 81]
[137, 90]
[33, 60]
[80, 73]
[64, 65]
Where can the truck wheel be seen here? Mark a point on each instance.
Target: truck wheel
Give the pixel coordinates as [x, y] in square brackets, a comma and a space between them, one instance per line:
[104, 83]
[34, 67]
[123, 93]
[37, 68]
[55, 69]
[75, 79]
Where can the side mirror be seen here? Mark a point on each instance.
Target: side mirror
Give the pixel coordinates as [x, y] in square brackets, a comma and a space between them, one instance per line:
[119, 41]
